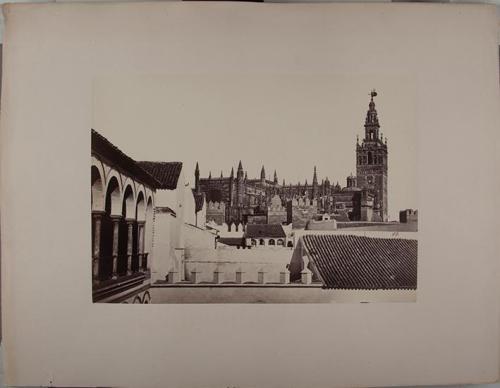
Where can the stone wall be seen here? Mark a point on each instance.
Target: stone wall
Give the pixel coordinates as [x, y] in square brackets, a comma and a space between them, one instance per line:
[216, 212]
[301, 214]
[275, 216]
[408, 216]
[198, 238]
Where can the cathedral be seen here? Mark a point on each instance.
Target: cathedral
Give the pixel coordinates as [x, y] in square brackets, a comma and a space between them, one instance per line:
[240, 200]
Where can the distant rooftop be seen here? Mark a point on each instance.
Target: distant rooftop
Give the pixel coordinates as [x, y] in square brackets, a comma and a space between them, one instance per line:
[265, 230]
[199, 200]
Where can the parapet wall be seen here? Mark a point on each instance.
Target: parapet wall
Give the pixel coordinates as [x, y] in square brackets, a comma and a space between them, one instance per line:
[267, 265]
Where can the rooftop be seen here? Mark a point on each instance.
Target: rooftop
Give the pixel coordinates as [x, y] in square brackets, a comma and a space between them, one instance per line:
[199, 200]
[166, 173]
[104, 148]
[357, 262]
[232, 241]
[264, 230]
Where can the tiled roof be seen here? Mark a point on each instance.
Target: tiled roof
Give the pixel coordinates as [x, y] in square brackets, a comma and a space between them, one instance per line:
[105, 149]
[199, 199]
[357, 262]
[233, 241]
[264, 230]
[167, 173]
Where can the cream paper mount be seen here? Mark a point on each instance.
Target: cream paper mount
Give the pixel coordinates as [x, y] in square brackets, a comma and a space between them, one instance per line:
[446, 57]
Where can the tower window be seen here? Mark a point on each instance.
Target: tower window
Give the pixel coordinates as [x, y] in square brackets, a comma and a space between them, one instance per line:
[370, 158]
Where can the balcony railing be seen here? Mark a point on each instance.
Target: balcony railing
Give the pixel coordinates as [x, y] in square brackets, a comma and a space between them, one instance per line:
[112, 267]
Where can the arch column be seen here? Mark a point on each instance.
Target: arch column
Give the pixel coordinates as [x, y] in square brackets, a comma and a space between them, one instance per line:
[140, 245]
[130, 238]
[96, 252]
[116, 227]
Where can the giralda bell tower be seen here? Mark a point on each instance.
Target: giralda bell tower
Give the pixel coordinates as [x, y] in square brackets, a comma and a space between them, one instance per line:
[371, 161]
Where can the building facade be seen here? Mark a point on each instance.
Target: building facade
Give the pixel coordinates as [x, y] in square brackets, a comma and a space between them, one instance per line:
[142, 213]
[122, 202]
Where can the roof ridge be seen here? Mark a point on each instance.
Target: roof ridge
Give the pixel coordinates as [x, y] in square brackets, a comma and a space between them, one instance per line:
[122, 154]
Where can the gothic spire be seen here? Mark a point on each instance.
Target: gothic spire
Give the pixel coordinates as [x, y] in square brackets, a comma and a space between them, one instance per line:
[315, 177]
[240, 174]
[263, 174]
[275, 177]
[232, 172]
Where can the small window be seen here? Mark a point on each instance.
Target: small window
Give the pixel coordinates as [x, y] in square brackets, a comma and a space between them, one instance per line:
[272, 242]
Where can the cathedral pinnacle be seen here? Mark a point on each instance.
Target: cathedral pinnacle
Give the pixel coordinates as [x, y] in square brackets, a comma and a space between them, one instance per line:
[371, 122]
[240, 174]
[263, 174]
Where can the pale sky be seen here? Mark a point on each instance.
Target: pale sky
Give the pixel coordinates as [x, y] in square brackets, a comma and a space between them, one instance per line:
[286, 122]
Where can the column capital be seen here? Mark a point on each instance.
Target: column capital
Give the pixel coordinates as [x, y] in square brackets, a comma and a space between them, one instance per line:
[129, 220]
[115, 218]
[141, 223]
[98, 212]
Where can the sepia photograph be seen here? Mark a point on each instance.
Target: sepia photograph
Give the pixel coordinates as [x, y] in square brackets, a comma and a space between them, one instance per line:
[270, 189]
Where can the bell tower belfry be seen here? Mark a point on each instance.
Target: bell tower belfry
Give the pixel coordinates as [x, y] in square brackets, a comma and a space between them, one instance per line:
[371, 161]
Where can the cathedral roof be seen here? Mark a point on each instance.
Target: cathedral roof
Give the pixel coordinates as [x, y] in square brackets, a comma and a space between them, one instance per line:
[358, 262]
[166, 173]
[352, 188]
